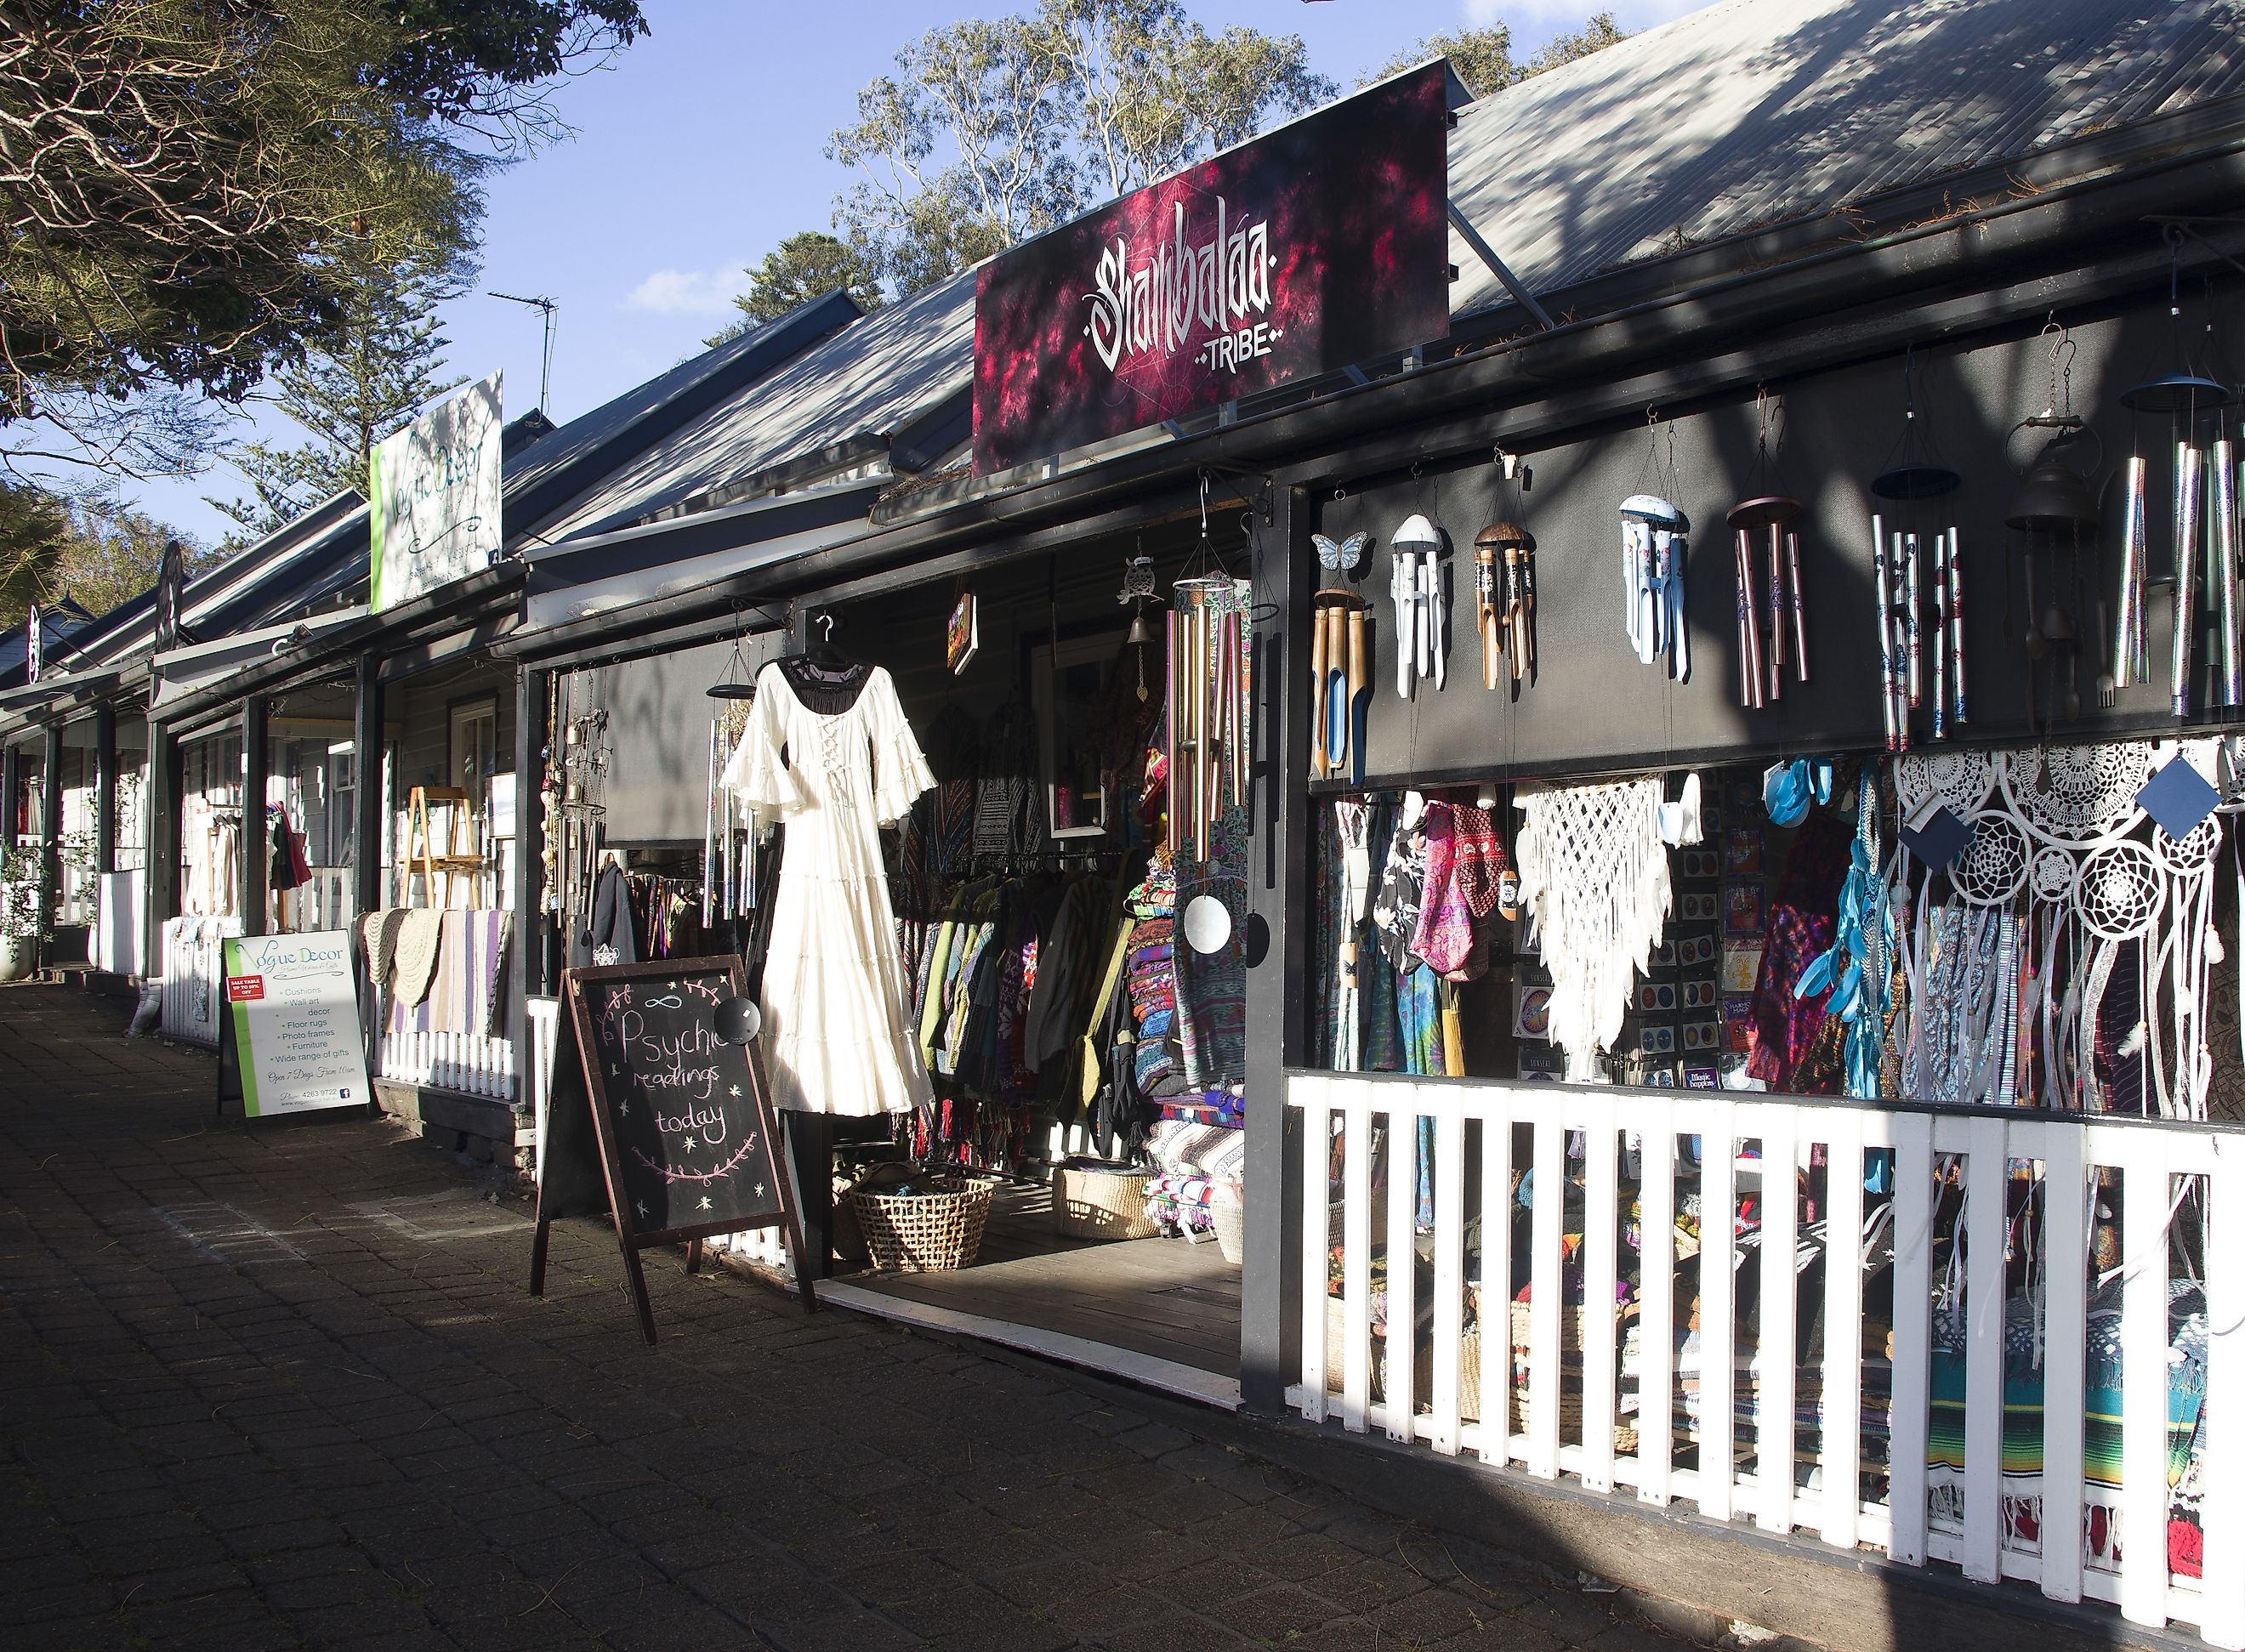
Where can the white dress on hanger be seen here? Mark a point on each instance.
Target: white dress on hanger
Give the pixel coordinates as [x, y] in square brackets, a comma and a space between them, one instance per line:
[834, 1000]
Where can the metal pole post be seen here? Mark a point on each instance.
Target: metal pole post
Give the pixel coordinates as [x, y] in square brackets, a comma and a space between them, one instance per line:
[255, 761]
[531, 689]
[366, 794]
[166, 779]
[1278, 928]
[105, 790]
[51, 839]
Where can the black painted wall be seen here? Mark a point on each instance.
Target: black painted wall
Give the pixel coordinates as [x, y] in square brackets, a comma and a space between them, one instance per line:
[1593, 706]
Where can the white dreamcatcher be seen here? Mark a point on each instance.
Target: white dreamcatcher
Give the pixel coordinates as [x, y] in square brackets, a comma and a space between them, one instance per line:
[1594, 883]
[2064, 872]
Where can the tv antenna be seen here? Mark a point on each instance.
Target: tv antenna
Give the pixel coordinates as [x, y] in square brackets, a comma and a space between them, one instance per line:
[546, 363]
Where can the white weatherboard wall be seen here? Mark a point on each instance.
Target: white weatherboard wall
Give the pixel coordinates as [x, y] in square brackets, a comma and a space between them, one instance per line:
[1657, 1425]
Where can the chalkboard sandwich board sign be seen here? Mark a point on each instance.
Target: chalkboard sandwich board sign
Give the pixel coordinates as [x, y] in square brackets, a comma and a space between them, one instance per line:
[660, 1061]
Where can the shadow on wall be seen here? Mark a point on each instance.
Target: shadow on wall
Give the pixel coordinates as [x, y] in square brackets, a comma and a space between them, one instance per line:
[1593, 704]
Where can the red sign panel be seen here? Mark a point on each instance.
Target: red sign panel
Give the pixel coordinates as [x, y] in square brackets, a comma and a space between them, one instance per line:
[244, 989]
[1320, 246]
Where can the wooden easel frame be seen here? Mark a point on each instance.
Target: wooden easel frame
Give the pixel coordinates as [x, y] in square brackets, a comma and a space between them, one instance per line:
[629, 1239]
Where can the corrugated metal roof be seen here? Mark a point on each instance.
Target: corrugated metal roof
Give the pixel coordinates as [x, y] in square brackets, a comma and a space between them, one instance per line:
[1758, 112]
[875, 375]
[1747, 113]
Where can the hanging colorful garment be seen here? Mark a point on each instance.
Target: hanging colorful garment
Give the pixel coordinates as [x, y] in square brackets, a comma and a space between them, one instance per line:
[1593, 882]
[1854, 971]
[1786, 1025]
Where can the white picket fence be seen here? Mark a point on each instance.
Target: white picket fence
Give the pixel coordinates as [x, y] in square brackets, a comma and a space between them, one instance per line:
[191, 996]
[470, 1063]
[1693, 1432]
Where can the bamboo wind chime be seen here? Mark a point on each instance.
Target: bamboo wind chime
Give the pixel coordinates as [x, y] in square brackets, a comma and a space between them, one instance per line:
[1208, 702]
[1339, 662]
[1506, 602]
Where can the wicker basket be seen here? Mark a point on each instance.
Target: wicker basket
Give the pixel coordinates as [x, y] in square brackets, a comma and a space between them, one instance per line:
[929, 1232]
[1230, 1221]
[1100, 1201]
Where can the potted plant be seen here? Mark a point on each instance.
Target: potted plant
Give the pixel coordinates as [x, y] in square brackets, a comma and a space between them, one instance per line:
[19, 911]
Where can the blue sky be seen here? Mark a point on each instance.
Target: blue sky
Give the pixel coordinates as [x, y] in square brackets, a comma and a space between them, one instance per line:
[700, 148]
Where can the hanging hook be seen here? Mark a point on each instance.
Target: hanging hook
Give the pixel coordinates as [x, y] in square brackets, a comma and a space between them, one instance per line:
[826, 623]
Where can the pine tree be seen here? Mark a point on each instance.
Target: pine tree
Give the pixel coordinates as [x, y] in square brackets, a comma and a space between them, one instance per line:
[386, 363]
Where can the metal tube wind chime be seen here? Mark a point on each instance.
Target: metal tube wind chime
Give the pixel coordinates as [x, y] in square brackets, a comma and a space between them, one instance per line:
[2057, 510]
[1764, 650]
[2202, 525]
[1207, 692]
[1340, 688]
[1902, 548]
[728, 842]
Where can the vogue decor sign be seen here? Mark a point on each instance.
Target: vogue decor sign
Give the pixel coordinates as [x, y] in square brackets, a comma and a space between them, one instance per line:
[1319, 246]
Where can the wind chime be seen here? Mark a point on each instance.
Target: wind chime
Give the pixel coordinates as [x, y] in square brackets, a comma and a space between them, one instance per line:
[2203, 496]
[1138, 591]
[1653, 551]
[1763, 650]
[1418, 583]
[1899, 544]
[1208, 689]
[2056, 512]
[1339, 661]
[727, 835]
[1505, 600]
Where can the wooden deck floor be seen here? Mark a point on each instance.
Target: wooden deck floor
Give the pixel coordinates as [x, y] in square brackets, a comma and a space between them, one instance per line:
[1166, 1306]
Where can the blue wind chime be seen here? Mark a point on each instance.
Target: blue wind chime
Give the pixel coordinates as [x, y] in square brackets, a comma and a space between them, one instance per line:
[1856, 968]
[1340, 686]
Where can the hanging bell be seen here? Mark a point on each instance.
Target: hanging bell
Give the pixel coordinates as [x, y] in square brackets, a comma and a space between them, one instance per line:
[2054, 499]
[1141, 633]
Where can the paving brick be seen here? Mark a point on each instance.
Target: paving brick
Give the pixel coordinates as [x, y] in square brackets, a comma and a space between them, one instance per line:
[388, 1445]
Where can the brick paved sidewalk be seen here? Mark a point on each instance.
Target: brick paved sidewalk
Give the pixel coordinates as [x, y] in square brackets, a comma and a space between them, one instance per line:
[283, 1386]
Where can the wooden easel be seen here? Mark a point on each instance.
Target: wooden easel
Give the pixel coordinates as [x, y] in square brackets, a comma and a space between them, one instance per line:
[420, 849]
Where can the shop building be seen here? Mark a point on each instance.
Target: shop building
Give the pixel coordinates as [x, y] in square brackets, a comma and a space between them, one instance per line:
[1879, 1216]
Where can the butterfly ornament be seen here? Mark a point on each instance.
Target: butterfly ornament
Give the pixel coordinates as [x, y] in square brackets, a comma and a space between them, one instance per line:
[1339, 661]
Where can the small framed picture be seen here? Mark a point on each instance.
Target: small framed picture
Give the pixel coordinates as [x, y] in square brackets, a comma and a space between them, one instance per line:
[1742, 913]
[1695, 949]
[1700, 1075]
[1742, 852]
[1703, 1034]
[1699, 908]
[1657, 1038]
[1654, 997]
[1664, 956]
[1700, 865]
[1738, 1026]
[1698, 994]
[1741, 966]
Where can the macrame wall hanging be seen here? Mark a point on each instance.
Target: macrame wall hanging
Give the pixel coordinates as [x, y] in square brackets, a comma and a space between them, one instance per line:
[2070, 906]
[1593, 882]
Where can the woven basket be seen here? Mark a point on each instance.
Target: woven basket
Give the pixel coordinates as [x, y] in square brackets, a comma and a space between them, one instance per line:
[1230, 1221]
[1100, 1201]
[924, 1232]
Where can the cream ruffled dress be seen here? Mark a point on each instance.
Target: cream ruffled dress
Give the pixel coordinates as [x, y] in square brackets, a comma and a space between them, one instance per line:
[834, 996]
